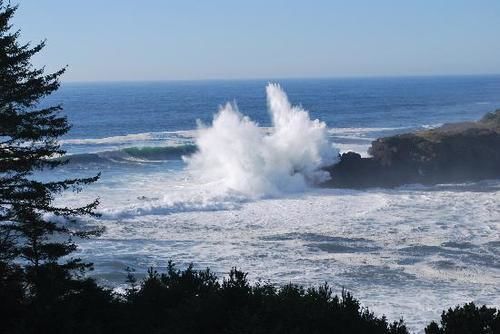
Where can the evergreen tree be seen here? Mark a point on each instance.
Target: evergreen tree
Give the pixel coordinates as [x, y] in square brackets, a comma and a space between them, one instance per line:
[31, 226]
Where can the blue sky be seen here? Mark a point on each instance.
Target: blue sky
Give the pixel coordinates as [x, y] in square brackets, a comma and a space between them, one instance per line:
[224, 39]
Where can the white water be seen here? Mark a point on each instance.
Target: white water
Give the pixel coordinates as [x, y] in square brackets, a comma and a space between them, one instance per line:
[235, 154]
[406, 252]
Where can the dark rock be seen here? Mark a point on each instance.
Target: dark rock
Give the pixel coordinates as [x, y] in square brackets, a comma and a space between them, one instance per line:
[456, 152]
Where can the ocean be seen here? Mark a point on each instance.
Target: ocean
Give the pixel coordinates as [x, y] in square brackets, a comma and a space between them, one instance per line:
[189, 178]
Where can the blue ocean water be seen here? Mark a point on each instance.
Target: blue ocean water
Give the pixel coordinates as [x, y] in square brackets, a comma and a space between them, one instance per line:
[410, 251]
[99, 110]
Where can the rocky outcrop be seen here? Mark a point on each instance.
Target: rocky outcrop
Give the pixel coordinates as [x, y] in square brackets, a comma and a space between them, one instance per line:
[455, 152]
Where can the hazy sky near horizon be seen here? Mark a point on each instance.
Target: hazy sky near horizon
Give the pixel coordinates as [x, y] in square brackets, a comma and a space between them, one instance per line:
[188, 39]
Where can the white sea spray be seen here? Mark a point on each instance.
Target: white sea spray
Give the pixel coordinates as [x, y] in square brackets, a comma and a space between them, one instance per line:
[235, 154]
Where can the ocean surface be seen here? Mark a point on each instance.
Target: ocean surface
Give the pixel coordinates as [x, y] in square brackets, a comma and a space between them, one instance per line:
[189, 178]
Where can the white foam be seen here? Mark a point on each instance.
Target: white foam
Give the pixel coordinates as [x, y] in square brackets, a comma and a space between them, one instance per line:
[362, 149]
[277, 239]
[237, 155]
[130, 138]
[187, 199]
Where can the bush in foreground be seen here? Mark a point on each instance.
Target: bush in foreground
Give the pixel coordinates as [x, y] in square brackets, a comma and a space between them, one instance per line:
[192, 301]
[195, 302]
[467, 319]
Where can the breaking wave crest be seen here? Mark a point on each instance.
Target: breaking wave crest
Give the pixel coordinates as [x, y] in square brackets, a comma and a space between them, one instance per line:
[133, 154]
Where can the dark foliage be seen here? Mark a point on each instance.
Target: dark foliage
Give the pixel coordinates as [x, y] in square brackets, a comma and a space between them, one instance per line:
[34, 233]
[191, 301]
[467, 319]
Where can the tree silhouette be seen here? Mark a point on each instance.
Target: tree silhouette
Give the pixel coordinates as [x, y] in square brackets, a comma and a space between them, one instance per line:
[34, 233]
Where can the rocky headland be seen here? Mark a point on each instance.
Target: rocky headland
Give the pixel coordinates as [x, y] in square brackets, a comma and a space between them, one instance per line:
[455, 152]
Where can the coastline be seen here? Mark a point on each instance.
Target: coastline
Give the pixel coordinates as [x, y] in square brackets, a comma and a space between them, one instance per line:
[451, 153]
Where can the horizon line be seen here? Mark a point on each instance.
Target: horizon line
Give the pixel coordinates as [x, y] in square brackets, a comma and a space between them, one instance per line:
[346, 77]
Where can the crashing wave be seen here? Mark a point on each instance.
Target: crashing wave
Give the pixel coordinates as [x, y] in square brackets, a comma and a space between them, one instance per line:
[233, 153]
